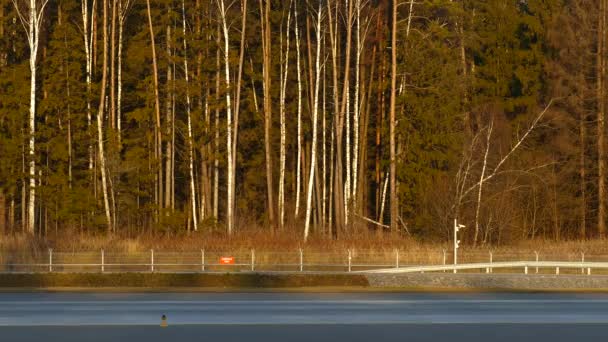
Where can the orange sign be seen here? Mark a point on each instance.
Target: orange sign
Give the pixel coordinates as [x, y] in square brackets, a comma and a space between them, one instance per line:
[227, 260]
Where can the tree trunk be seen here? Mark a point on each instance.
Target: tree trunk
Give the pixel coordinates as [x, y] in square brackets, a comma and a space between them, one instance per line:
[100, 113]
[393, 122]
[113, 67]
[230, 175]
[315, 110]
[601, 113]
[190, 138]
[283, 144]
[237, 103]
[169, 117]
[157, 131]
[267, 47]
[299, 152]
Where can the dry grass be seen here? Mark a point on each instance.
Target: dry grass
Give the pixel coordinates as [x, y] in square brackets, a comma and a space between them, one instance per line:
[279, 251]
[277, 242]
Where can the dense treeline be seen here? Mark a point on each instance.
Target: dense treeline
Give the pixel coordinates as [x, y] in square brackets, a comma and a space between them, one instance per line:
[329, 117]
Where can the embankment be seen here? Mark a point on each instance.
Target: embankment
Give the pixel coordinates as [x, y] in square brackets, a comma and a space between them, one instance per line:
[309, 281]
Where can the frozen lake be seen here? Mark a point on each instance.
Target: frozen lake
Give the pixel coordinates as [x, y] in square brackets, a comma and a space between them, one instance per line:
[302, 316]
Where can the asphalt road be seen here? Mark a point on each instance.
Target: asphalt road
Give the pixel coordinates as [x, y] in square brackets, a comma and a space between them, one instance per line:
[303, 317]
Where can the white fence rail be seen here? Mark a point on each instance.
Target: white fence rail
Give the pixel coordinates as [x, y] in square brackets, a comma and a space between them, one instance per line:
[525, 266]
[301, 260]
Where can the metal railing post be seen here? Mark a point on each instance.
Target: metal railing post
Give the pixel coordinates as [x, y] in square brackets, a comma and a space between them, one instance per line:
[396, 258]
[491, 261]
[301, 260]
[203, 260]
[151, 260]
[583, 261]
[557, 271]
[50, 260]
[526, 269]
[349, 260]
[588, 270]
[102, 261]
[252, 260]
[444, 258]
[536, 253]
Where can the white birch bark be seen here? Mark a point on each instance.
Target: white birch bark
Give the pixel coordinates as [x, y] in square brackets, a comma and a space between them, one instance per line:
[123, 10]
[31, 23]
[299, 153]
[384, 188]
[188, 114]
[283, 152]
[230, 175]
[100, 114]
[87, 31]
[357, 110]
[481, 177]
[324, 153]
[315, 110]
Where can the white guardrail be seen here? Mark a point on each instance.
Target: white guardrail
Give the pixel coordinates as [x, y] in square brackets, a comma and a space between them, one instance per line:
[585, 267]
[297, 261]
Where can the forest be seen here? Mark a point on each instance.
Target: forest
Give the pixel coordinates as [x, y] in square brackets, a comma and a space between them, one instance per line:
[331, 118]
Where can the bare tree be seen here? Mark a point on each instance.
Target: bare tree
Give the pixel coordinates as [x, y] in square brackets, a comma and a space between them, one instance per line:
[315, 114]
[237, 102]
[283, 149]
[100, 114]
[299, 153]
[123, 11]
[31, 14]
[189, 116]
[601, 117]
[158, 135]
[266, 49]
[230, 180]
[393, 122]
[481, 178]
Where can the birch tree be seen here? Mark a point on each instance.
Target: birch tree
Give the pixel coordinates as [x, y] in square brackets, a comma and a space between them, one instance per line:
[123, 11]
[157, 128]
[315, 114]
[283, 152]
[100, 119]
[393, 122]
[188, 114]
[266, 52]
[31, 14]
[299, 124]
[601, 117]
[230, 176]
[87, 32]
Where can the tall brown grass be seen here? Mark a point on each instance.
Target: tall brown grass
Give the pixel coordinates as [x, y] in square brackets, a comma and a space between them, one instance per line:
[278, 241]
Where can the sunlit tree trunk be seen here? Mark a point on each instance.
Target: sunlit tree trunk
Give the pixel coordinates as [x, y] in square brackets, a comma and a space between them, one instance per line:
[87, 31]
[230, 175]
[157, 130]
[315, 114]
[32, 21]
[338, 182]
[393, 121]
[601, 117]
[283, 149]
[266, 52]
[346, 112]
[299, 124]
[188, 114]
[237, 103]
[169, 147]
[113, 66]
[100, 114]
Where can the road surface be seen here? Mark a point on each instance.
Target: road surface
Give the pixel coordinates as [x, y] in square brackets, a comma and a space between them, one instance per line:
[302, 317]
